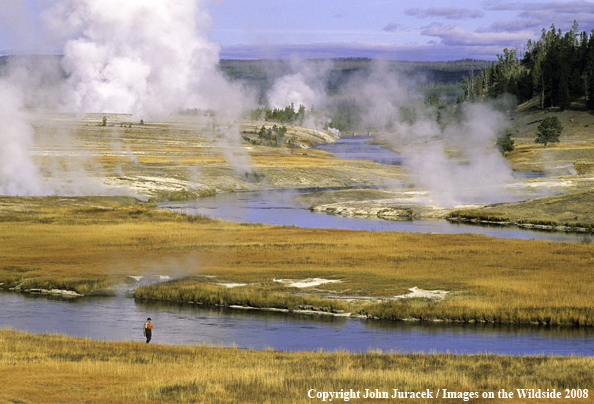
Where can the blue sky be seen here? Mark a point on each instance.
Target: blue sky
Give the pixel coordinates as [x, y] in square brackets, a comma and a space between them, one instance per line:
[401, 30]
[424, 30]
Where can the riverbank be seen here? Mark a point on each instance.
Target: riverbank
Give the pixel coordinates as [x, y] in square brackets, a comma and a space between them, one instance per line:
[569, 213]
[79, 369]
[93, 245]
[417, 307]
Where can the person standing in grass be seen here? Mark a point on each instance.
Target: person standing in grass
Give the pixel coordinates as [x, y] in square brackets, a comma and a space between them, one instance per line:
[148, 330]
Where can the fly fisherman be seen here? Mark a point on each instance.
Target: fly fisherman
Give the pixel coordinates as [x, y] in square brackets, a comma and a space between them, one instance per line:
[147, 330]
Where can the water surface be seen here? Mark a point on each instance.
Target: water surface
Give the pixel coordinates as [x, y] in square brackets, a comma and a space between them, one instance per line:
[356, 148]
[121, 319]
[281, 208]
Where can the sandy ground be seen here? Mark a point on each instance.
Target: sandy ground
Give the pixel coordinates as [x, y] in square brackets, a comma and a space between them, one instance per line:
[305, 283]
[423, 294]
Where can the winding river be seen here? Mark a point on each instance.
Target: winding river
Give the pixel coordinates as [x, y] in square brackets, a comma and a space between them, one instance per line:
[282, 208]
[120, 318]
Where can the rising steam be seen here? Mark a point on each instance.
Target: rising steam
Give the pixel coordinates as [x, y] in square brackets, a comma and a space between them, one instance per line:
[452, 157]
[18, 173]
[459, 163]
[305, 85]
[146, 58]
[153, 58]
[142, 57]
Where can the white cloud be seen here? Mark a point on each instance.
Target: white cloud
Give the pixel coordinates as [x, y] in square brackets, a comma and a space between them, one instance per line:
[452, 35]
[536, 16]
[569, 7]
[450, 13]
[384, 50]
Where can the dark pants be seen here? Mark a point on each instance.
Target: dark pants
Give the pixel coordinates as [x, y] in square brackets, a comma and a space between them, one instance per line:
[148, 333]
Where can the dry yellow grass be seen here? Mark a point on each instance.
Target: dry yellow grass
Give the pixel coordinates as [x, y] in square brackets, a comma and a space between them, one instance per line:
[57, 369]
[576, 146]
[188, 157]
[573, 210]
[490, 279]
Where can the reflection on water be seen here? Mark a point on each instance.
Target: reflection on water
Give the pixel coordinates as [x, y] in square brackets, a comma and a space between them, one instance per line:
[121, 319]
[355, 148]
[280, 208]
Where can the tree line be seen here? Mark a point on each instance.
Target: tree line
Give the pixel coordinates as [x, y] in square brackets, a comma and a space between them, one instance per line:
[282, 115]
[557, 68]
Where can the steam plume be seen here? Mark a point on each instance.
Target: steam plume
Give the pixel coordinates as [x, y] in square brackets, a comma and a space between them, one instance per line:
[453, 157]
[139, 57]
[18, 173]
[304, 86]
[147, 58]
[458, 164]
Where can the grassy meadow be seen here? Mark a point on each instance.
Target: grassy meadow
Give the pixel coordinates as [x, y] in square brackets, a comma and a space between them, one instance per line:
[575, 210]
[92, 245]
[52, 368]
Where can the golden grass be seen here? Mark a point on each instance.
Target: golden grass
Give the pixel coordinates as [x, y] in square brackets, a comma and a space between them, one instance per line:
[187, 158]
[269, 296]
[56, 369]
[58, 239]
[572, 210]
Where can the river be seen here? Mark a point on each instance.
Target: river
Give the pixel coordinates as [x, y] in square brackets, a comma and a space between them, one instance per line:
[121, 318]
[357, 148]
[282, 208]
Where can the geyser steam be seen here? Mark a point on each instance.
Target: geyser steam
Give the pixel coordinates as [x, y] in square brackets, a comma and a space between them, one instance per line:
[458, 164]
[149, 58]
[453, 156]
[305, 85]
[153, 57]
[139, 57]
[18, 173]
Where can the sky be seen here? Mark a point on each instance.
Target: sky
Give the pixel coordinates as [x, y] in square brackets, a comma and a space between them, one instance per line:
[421, 30]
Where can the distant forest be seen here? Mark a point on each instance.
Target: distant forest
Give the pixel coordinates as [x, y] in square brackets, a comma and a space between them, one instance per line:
[558, 68]
[262, 73]
[450, 72]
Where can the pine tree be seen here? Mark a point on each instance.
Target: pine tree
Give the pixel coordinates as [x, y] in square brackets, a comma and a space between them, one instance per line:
[549, 131]
[504, 141]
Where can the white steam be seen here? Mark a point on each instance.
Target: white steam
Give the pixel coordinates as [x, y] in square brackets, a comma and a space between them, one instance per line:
[448, 151]
[292, 89]
[458, 164]
[304, 86]
[149, 58]
[153, 57]
[18, 173]
[139, 57]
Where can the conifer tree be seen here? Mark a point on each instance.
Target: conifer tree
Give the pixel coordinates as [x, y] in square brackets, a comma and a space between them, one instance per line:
[549, 131]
